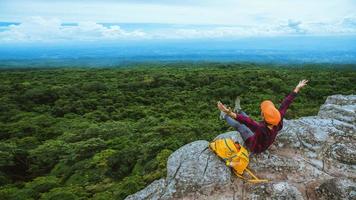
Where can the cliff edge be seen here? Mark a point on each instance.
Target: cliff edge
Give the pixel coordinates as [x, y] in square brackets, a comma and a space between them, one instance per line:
[312, 158]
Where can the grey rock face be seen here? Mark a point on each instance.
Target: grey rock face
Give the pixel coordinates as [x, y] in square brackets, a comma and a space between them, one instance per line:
[284, 190]
[192, 167]
[191, 170]
[154, 191]
[337, 188]
[278, 190]
[312, 158]
[344, 152]
[232, 135]
[339, 107]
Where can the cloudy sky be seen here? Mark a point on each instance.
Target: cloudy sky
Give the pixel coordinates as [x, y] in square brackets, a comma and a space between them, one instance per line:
[83, 20]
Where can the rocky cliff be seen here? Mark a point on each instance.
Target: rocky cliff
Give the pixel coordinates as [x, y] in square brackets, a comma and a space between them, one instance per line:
[312, 158]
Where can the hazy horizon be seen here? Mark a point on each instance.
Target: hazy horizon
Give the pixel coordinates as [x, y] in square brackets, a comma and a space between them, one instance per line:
[257, 31]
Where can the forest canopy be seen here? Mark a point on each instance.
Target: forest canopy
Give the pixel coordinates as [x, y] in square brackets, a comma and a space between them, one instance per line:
[105, 133]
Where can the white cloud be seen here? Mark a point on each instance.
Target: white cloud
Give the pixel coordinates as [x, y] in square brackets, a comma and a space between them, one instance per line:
[345, 26]
[38, 29]
[296, 26]
[278, 28]
[222, 12]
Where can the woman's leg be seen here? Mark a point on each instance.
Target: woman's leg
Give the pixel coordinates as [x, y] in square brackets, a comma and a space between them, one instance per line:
[241, 128]
[243, 113]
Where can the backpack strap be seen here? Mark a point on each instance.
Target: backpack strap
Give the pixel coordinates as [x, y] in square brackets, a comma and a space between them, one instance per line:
[227, 145]
[254, 180]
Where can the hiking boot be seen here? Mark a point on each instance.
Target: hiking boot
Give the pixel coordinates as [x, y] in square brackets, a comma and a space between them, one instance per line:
[237, 107]
[222, 115]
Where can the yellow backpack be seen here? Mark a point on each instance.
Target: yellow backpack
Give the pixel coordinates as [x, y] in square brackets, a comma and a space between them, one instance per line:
[226, 149]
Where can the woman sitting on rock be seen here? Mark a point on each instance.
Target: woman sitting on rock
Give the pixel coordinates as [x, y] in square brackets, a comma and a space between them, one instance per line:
[258, 136]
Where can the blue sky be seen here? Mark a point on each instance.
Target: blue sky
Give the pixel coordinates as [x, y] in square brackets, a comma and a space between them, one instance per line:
[47, 21]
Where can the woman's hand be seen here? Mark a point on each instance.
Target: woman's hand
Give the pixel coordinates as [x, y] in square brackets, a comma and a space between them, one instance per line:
[228, 110]
[300, 85]
[223, 108]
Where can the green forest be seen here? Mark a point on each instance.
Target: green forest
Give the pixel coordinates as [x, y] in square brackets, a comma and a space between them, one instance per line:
[105, 133]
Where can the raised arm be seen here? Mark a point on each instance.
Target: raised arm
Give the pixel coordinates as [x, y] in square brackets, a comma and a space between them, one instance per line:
[289, 99]
[251, 124]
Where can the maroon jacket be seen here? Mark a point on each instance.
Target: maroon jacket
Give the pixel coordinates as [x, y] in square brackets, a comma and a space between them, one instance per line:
[264, 136]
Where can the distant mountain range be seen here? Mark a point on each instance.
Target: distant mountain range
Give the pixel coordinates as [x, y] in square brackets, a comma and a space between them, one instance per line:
[299, 49]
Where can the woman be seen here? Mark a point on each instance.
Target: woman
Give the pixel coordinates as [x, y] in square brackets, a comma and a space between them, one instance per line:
[259, 136]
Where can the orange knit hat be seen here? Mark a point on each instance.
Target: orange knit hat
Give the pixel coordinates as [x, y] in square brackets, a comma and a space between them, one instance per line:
[270, 113]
